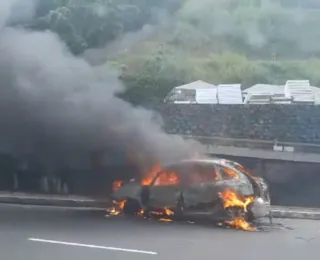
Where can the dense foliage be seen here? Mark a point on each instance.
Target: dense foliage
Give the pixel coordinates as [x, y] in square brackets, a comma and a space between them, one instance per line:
[84, 24]
[221, 41]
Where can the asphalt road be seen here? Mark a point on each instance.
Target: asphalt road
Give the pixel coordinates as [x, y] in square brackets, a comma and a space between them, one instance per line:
[40, 233]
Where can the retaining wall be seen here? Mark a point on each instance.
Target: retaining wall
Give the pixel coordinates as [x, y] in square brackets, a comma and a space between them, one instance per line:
[287, 123]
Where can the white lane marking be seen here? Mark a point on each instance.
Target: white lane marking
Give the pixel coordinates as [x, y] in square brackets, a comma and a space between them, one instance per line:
[92, 246]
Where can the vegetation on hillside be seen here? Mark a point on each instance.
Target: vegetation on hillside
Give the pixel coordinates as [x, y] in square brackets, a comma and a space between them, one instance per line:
[220, 41]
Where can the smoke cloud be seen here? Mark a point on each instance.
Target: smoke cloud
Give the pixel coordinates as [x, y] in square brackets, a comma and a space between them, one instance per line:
[57, 108]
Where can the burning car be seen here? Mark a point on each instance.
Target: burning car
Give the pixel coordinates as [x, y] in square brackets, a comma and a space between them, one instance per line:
[220, 189]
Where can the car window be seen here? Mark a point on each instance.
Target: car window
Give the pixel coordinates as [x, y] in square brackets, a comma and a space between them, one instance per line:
[228, 173]
[202, 173]
[244, 170]
[167, 178]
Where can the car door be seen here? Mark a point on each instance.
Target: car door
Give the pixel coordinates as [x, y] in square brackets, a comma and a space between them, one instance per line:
[202, 185]
[165, 190]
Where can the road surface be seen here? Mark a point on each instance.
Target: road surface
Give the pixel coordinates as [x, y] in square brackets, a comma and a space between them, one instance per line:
[44, 233]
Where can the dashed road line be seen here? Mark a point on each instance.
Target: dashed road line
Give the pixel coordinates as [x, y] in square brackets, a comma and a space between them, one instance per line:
[92, 246]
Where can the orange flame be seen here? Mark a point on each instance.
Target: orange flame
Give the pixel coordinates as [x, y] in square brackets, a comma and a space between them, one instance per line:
[116, 185]
[117, 208]
[165, 220]
[245, 170]
[166, 178]
[230, 172]
[168, 212]
[121, 204]
[163, 215]
[232, 199]
[240, 223]
[151, 174]
[141, 212]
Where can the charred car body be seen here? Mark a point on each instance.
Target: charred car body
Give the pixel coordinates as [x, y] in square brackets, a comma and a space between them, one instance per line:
[196, 187]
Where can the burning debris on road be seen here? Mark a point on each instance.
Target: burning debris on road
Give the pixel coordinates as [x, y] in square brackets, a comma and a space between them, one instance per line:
[116, 209]
[210, 187]
[162, 215]
[240, 223]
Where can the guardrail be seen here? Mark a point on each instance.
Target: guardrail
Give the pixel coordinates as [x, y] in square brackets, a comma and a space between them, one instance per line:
[257, 144]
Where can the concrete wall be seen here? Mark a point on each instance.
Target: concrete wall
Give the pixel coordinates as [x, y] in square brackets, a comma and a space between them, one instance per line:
[290, 123]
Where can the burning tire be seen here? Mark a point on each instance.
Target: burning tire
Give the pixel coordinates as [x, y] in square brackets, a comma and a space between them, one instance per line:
[131, 207]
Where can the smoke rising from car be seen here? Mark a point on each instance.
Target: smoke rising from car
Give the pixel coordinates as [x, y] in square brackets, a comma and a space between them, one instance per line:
[56, 108]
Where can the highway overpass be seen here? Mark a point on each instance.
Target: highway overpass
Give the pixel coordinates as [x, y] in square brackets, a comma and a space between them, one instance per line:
[260, 149]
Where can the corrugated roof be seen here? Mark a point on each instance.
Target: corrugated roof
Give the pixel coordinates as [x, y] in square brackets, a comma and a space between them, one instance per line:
[264, 89]
[275, 90]
[199, 84]
[258, 92]
[229, 94]
[316, 93]
[300, 90]
[206, 96]
[257, 99]
[282, 102]
[266, 99]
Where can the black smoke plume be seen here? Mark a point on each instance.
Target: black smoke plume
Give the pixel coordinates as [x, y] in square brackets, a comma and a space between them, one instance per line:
[57, 109]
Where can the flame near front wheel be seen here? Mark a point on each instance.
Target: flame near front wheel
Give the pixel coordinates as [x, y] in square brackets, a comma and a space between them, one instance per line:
[232, 201]
[240, 223]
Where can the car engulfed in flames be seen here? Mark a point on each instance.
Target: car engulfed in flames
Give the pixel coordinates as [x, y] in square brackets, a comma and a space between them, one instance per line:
[218, 189]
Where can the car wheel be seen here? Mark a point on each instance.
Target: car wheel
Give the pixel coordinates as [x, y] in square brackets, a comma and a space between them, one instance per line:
[232, 213]
[131, 207]
[249, 216]
[236, 212]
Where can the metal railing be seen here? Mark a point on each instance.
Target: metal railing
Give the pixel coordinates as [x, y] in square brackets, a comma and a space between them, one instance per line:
[256, 144]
